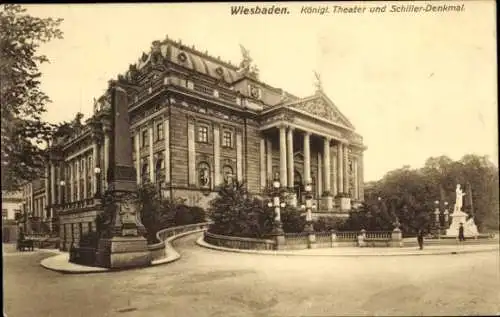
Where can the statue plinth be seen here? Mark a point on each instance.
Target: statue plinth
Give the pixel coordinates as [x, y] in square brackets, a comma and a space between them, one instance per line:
[459, 217]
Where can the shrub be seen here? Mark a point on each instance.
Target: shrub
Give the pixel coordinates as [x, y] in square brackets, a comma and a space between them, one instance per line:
[328, 223]
[235, 213]
[293, 219]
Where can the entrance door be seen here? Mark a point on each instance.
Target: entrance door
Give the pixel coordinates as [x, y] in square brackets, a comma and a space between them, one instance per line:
[298, 187]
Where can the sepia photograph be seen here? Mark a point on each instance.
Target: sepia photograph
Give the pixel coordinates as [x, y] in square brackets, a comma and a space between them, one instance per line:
[269, 159]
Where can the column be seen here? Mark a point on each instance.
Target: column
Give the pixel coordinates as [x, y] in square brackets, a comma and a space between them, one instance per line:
[77, 166]
[326, 163]
[71, 187]
[319, 181]
[151, 155]
[291, 167]
[137, 144]
[95, 160]
[269, 164]
[166, 129]
[340, 170]
[191, 153]
[217, 172]
[283, 171]
[262, 163]
[85, 173]
[355, 167]
[239, 157]
[335, 175]
[307, 157]
[53, 184]
[346, 169]
[62, 190]
[104, 172]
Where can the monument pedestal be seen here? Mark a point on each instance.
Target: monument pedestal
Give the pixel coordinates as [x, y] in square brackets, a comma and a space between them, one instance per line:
[457, 218]
[123, 252]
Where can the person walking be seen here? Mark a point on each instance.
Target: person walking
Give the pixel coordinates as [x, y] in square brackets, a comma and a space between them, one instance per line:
[420, 239]
[461, 236]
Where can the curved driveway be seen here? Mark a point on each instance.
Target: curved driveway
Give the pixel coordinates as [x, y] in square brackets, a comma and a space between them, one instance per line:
[212, 283]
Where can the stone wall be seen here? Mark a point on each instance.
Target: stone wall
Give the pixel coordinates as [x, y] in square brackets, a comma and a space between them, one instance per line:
[74, 224]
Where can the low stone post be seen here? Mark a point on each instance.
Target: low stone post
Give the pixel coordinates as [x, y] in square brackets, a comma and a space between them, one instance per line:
[361, 238]
[333, 235]
[396, 238]
[279, 236]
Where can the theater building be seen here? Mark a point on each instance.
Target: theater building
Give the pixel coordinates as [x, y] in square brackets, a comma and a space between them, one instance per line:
[197, 122]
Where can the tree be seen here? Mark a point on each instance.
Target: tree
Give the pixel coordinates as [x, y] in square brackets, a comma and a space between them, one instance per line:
[23, 102]
[235, 213]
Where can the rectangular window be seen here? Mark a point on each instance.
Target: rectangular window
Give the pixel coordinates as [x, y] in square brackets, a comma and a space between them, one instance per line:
[5, 213]
[203, 134]
[227, 139]
[145, 138]
[159, 131]
[132, 142]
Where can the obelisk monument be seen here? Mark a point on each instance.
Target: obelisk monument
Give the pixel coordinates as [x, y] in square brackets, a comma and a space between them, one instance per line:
[125, 245]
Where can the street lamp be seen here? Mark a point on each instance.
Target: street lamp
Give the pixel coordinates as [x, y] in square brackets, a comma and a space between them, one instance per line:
[97, 172]
[436, 211]
[63, 191]
[446, 213]
[308, 194]
[277, 204]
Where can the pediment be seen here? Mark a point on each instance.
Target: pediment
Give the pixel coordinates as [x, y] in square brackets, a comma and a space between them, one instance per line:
[321, 106]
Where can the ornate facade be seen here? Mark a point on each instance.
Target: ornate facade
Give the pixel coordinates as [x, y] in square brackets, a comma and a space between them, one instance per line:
[198, 121]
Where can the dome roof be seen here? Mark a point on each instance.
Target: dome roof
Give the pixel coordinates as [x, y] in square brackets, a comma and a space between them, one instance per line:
[190, 58]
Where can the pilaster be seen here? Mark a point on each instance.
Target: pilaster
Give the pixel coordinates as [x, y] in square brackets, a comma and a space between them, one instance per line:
[191, 152]
[151, 155]
[166, 129]
[137, 144]
[239, 156]
[217, 172]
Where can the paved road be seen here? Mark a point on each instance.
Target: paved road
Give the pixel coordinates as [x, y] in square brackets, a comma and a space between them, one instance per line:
[211, 283]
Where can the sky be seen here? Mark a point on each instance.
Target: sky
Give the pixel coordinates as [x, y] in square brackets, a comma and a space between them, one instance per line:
[414, 85]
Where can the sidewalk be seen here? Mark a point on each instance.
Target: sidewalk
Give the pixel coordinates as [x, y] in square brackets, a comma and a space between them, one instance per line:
[355, 251]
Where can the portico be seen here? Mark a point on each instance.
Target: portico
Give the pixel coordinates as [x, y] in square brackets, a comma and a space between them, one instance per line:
[312, 139]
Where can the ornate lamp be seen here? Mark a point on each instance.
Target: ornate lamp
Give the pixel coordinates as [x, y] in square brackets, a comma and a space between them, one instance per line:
[97, 172]
[277, 204]
[62, 184]
[446, 213]
[308, 192]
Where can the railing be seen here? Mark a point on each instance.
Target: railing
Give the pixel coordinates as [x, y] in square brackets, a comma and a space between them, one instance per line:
[347, 235]
[203, 89]
[378, 235]
[238, 242]
[87, 202]
[324, 237]
[227, 97]
[299, 238]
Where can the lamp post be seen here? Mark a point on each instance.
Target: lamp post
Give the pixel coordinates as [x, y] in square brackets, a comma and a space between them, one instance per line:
[97, 172]
[436, 217]
[63, 191]
[277, 204]
[308, 193]
[446, 214]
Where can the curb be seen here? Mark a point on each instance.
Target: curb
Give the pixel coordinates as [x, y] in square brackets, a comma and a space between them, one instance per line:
[172, 256]
[206, 245]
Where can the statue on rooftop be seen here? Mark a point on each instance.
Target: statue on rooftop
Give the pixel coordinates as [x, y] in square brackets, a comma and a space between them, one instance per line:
[317, 83]
[246, 64]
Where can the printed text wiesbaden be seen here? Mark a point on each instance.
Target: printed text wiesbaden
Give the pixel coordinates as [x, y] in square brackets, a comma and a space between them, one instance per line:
[242, 10]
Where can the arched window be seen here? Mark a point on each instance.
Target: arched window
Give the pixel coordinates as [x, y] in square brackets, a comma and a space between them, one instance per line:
[227, 174]
[204, 175]
[158, 169]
